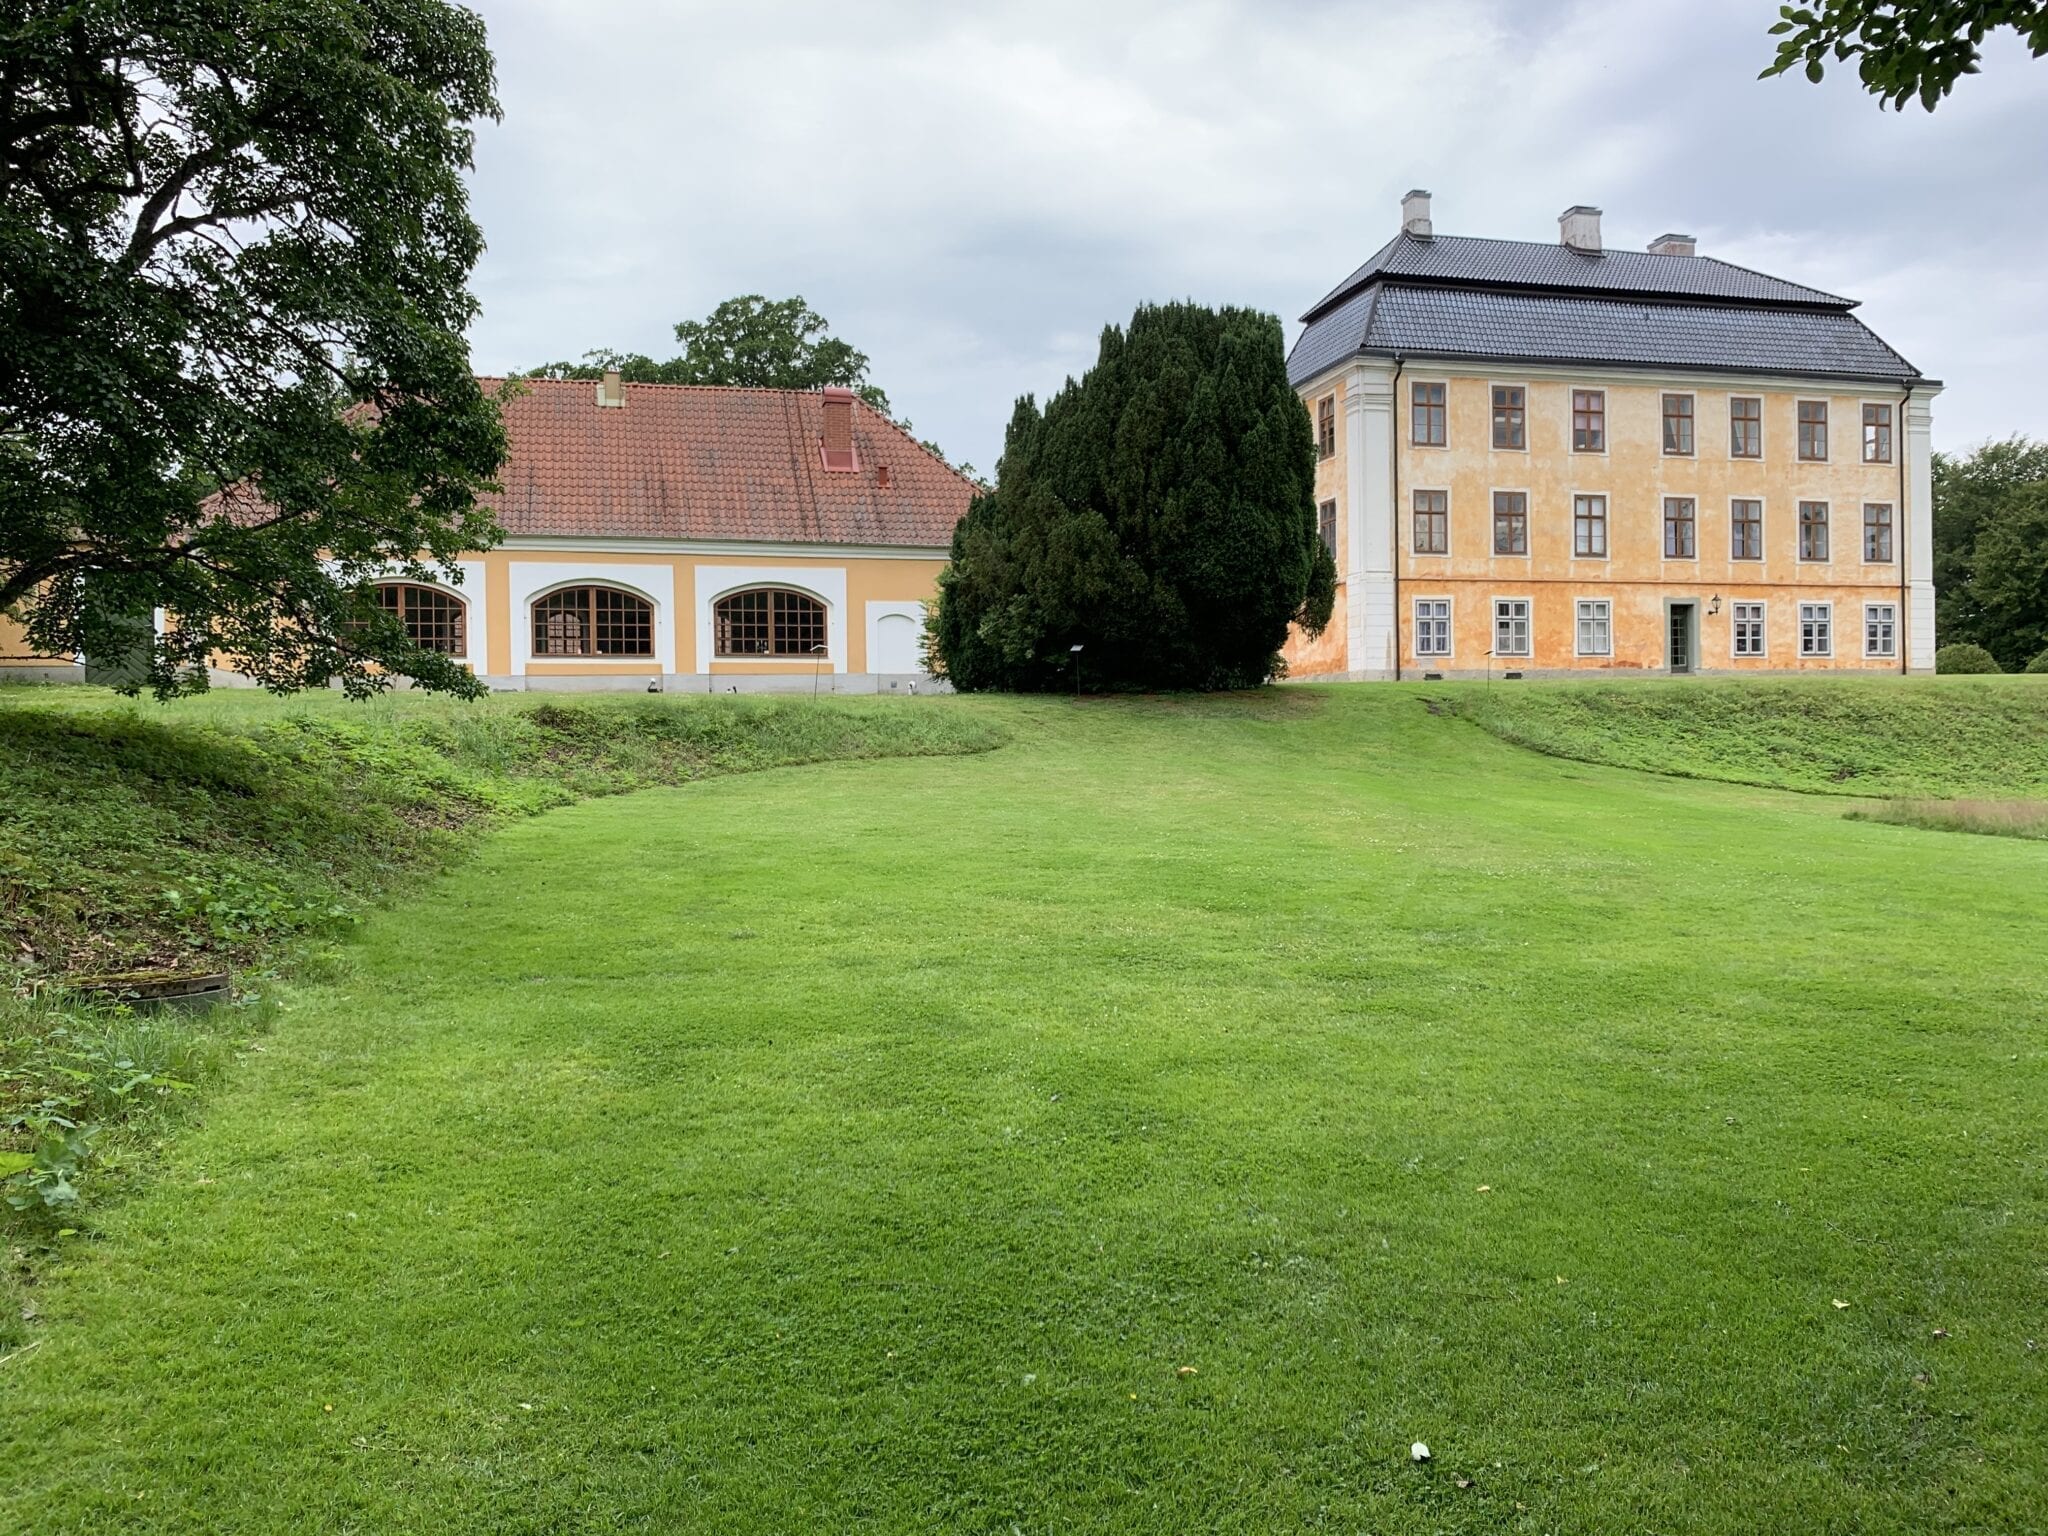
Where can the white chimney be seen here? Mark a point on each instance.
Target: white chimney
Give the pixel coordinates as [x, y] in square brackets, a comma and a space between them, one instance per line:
[1673, 245]
[1415, 214]
[611, 389]
[1578, 228]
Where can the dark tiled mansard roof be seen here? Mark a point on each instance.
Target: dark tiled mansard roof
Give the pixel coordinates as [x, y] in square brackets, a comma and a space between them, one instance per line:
[1523, 301]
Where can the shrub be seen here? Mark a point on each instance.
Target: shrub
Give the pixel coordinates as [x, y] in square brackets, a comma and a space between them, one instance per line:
[1961, 659]
[2039, 664]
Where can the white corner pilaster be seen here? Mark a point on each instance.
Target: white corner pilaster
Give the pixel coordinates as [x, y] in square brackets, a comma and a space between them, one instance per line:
[1369, 486]
[1919, 529]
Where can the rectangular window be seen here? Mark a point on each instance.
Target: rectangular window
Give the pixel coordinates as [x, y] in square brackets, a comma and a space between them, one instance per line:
[1432, 522]
[1511, 522]
[1426, 414]
[1816, 626]
[1813, 431]
[1589, 421]
[1877, 434]
[1432, 626]
[1326, 427]
[1681, 523]
[1813, 530]
[1749, 629]
[1596, 627]
[1678, 425]
[1877, 532]
[1880, 629]
[1745, 427]
[1589, 526]
[1326, 525]
[1511, 626]
[1745, 530]
[1510, 416]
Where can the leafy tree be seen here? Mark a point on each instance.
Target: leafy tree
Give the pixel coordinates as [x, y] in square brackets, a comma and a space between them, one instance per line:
[234, 252]
[1904, 48]
[2011, 578]
[1973, 492]
[753, 341]
[1160, 513]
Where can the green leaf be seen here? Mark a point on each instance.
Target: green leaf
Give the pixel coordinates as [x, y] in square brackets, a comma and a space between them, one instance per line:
[12, 1163]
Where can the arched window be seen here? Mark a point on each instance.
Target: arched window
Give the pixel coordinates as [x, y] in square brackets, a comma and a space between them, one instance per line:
[593, 621]
[434, 619]
[767, 622]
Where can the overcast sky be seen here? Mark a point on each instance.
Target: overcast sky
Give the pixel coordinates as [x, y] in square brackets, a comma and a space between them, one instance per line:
[968, 192]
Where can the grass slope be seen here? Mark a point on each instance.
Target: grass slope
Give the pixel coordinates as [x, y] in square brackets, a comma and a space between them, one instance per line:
[135, 834]
[1154, 1126]
[1877, 736]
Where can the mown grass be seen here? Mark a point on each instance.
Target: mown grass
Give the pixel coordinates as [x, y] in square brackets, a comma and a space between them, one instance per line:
[235, 831]
[1154, 1126]
[1924, 738]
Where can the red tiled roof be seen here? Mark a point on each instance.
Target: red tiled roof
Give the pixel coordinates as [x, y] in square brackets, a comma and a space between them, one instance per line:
[680, 461]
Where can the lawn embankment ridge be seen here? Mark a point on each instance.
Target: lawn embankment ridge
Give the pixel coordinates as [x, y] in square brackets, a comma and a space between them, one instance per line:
[1928, 739]
[233, 831]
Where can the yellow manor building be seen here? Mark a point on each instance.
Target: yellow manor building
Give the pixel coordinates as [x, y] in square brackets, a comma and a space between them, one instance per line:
[1563, 459]
[684, 537]
[702, 538]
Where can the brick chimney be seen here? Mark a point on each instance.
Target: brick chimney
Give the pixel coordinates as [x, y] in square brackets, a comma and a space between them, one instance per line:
[837, 443]
[611, 389]
[1673, 245]
[1578, 229]
[1415, 214]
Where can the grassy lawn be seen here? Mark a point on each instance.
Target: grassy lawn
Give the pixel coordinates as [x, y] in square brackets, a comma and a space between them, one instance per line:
[1153, 1125]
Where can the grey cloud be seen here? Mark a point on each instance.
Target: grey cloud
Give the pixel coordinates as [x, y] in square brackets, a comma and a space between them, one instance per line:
[971, 192]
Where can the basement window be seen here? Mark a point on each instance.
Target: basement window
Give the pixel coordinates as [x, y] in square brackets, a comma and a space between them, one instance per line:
[1511, 626]
[1816, 629]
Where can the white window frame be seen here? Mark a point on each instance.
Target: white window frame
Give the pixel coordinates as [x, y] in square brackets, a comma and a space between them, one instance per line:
[1763, 446]
[1450, 628]
[1491, 386]
[1664, 524]
[1763, 630]
[1827, 427]
[1445, 384]
[1827, 623]
[1581, 618]
[1528, 629]
[1571, 430]
[1430, 490]
[1862, 445]
[1799, 553]
[1680, 394]
[1606, 524]
[1528, 523]
[1891, 650]
[1763, 531]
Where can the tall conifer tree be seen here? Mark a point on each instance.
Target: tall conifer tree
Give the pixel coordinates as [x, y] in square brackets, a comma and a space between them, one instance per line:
[1159, 512]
